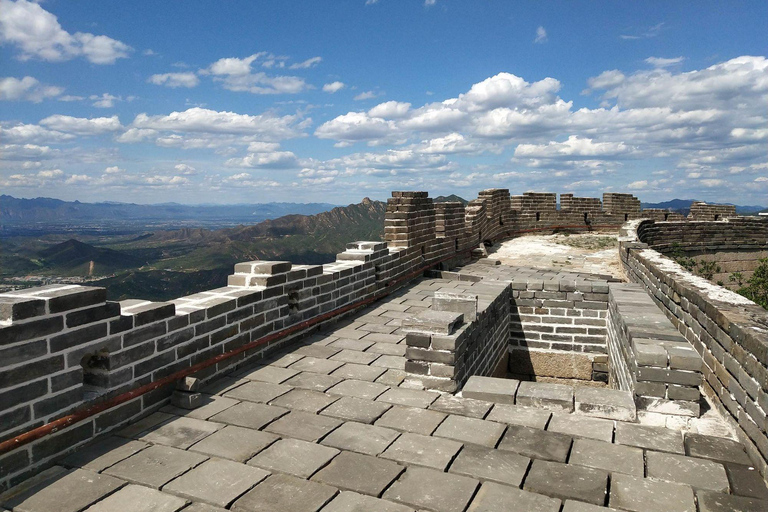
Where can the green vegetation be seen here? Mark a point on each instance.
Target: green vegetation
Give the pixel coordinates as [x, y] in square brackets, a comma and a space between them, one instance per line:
[588, 242]
[756, 289]
[703, 268]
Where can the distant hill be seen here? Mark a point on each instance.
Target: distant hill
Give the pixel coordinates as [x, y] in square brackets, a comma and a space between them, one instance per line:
[453, 198]
[74, 257]
[14, 211]
[684, 206]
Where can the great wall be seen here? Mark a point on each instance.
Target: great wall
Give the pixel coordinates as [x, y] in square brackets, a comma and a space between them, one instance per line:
[76, 367]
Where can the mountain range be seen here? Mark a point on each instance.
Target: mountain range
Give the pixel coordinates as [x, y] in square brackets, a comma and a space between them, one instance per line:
[684, 206]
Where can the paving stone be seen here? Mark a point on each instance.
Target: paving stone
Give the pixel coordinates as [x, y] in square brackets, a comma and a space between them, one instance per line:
[250, 415]
[535, 443]
[491, 389]
[203, 507]
[411, 419]
[294, 457]
[180, 432]
[358, 389]
[137, 498]
[718, 502]
[315, 365]
[746, 481]
[389, 349]
[155, 466]
[578, 506]
[210, 405]
[612, 404]
[545, 395]
[317, 351]
[355, 356]
[359, 473]
[313, 381]
[432, 490]
[653, 438]
[489, 464]
[698, 473]
[493, 497]
[286, 359]
[234, 443]
[380, 337]
[103, 453]
[421, 450]
[471, 430]
[387, 361]
[346, 344]
[408, 397]
[359, 372]
[391, 377]
[614, 458]
[284, 493]
[303, 425]
[566, 481]
[517, 415]
[67, 492]
[135, 429]
[643, 495]
[348, 501]
[356, 409]
[304, 400]
[222, 385]
[357, 437]
[261, 392]
[452, 404]
[716, 448]
[216, 482]
[593, 428]
[273, 374]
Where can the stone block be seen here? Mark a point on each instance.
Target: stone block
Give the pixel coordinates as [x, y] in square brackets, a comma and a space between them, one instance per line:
[470, 430]
[304, 400]
[358, 389]
[432, 490]
[347, 501]
[566, 481]
[545, 395]
[136, 498]
[489, 464]
[263, 267]
[535, 443]
[652, 438]
[315, 381]
[101, 454]
[422, 451]
[580, 426]
[718, 502]
[614, 458]
[361, 438]
[155, 466]
[294, 457]
[254, 391]
[746, 481]
[303, 425]
[649, 353]
[234, 443]
[180, 432]
[491, 389]
[66, 492]
[356, 409]
[249, 415]
[20, 308]
[607, 403]
[457, 303]
[716, 448]
[282, 493]
[189, 384]
[411, 419]
[185, 400]
[638, 494]
[451, 404]
[518, 415]
[216, 482]
[493, 497]
[438, 322]
[408, 397]
[698, 473]
[359, 473]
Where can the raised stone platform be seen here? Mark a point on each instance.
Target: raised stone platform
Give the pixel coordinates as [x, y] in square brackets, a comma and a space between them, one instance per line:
[329, 425]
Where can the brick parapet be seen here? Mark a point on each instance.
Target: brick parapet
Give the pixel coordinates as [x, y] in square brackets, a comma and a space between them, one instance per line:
[704, 211]
[727, 330]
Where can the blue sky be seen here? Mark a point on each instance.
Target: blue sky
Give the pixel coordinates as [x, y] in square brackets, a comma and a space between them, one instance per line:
[232, 102]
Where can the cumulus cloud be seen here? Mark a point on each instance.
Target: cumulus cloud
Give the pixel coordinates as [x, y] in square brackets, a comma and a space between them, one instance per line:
[333, 87]
[573, 147]
[367, 95]
[106, 100]
[27, 89]
[174, 80]
[660, 62]
[81, 125]
[38, 34]
[32, 134]
[237, 75]
[390, 110]
[541, 35]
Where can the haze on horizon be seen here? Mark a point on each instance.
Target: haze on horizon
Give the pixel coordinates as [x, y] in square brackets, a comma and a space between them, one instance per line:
[244, 102]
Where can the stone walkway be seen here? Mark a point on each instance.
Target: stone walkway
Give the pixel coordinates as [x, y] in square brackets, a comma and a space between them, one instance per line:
[327, 426]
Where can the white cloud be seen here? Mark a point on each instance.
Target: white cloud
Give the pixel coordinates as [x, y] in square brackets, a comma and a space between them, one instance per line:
[309, 63]
[38, 34]
[82, 126]
[660, 62]
[541, 35]
[429, 3]
[268, 160]
[573, 147]
[27, 89]
[174, 80]
[106, 100]
[27, 152]
[367, 95]
[646, 34]
[390, 110]
[132, 135]
[333, 87]
[236, 75]
[185, 169]
[32, 133]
